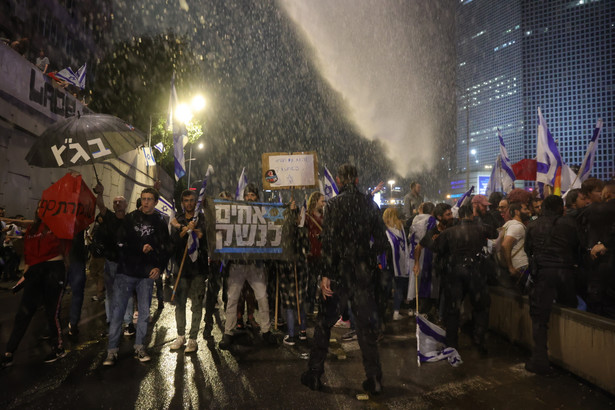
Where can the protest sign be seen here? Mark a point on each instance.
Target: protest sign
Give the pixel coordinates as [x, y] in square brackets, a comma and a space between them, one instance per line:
[284, 171]
[248, 230]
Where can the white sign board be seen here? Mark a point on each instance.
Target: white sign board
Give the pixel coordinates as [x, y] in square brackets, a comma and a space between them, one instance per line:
[297, 170]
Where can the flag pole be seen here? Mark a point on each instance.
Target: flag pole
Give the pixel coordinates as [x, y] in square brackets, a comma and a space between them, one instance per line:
[416, 292]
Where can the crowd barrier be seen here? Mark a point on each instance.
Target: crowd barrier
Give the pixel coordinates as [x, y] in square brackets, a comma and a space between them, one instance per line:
[580, 342]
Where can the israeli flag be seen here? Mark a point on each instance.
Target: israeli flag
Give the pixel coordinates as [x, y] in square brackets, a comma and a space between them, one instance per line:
[590, 155]
[465, 198]
[548, 159]
[431, 345]
[77, 79]
[507, 174]
[330, 188]
[199, 201]
[193, 243]
[149, 156]
[159, 147]
[303, 213]
[241, 185]
[180, 137]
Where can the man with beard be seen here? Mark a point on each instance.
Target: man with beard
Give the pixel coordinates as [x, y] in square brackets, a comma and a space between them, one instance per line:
[462, 245]
[554, 245]
[429, 268]
[512, 247]
[480, 209]
[352, 237]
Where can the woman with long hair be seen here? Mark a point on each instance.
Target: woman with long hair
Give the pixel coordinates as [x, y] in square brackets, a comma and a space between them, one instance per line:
[397, 262]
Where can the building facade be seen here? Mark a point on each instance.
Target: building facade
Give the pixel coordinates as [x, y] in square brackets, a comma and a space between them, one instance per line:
[514, 56]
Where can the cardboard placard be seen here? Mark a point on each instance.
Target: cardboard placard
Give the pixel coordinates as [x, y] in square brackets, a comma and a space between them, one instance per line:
[282, 170]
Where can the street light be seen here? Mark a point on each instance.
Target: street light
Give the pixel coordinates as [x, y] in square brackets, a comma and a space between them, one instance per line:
[391, 182]
[184, 114]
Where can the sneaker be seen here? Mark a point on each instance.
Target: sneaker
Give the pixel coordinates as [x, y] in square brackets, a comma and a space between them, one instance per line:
[191, 346]
[289, 340]
[396, 315]
[111, 359]
[178, 343]
[344, 324]
[240, 325]
[6, 360]
[56, 353]
[350, 336]
[270, 338]
[129, 330]
[410, 312]
[142, 355]
[226, 342]
[303, 335]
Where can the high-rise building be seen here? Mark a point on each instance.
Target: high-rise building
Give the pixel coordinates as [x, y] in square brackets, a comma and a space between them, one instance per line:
[514, 56]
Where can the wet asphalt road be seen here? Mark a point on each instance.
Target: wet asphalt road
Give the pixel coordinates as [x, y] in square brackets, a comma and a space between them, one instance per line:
[255, 376]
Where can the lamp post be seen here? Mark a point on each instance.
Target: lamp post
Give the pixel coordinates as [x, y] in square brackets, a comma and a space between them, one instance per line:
[391, 182]
[200, 147]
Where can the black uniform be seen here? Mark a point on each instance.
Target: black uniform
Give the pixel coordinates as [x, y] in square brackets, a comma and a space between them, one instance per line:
[463, 245]
[552, 244]
[598, 225]
[352, 237]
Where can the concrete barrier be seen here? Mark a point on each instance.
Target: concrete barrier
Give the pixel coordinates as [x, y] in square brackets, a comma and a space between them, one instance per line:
[580, 342]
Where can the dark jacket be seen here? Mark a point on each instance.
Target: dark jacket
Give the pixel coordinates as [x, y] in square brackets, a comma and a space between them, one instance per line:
[464, 241]
[138, 229]
[553, 242]
[353, 233]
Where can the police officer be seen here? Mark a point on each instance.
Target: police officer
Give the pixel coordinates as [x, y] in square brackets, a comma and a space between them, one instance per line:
[552, 243]
[351, 220]
[463, 245]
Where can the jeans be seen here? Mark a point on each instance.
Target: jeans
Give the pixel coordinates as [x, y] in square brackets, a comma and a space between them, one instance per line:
[110, 272]
[255, 275]
[290, 320]
[193, 288]
[123, 287]
[76, 279]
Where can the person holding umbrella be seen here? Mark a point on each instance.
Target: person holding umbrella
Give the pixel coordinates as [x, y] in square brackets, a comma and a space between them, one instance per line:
[43, 282]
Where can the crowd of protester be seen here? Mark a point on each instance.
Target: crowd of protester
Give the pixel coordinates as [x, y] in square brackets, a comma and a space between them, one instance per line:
[348, 264]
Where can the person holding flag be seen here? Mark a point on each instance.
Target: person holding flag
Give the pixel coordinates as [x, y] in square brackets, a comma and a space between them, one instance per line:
[190, 242]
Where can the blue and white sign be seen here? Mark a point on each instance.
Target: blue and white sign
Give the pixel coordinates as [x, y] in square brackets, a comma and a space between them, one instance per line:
[483, 182]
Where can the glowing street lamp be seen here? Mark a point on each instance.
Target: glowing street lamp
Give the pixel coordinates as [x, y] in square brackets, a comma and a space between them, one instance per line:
[391, 182]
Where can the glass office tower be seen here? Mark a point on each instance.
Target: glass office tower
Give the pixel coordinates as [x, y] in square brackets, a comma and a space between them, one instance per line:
[516, 55]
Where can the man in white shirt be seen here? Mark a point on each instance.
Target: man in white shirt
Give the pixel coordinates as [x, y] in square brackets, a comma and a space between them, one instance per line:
[514, 239]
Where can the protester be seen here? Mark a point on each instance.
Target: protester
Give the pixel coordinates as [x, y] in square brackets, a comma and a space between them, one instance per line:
[553, 244]
[398, 264]
[494, 207]
[242, 270]
[512, 251]
[413, 200]
[190, 243]
[503, 210]
[463, 245]
[105, 240]
[43, 284]
[144, 250]
[293, 274]
[42, 62]
[353, 235]
[575, 202]
[535, 205]
[597, 222]
[315, 264]
[480, 209]
[76, 279]
[591, 188]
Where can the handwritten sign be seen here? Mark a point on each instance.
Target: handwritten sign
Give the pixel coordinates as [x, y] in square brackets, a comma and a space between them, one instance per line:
[248, 230]
[296, 170]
